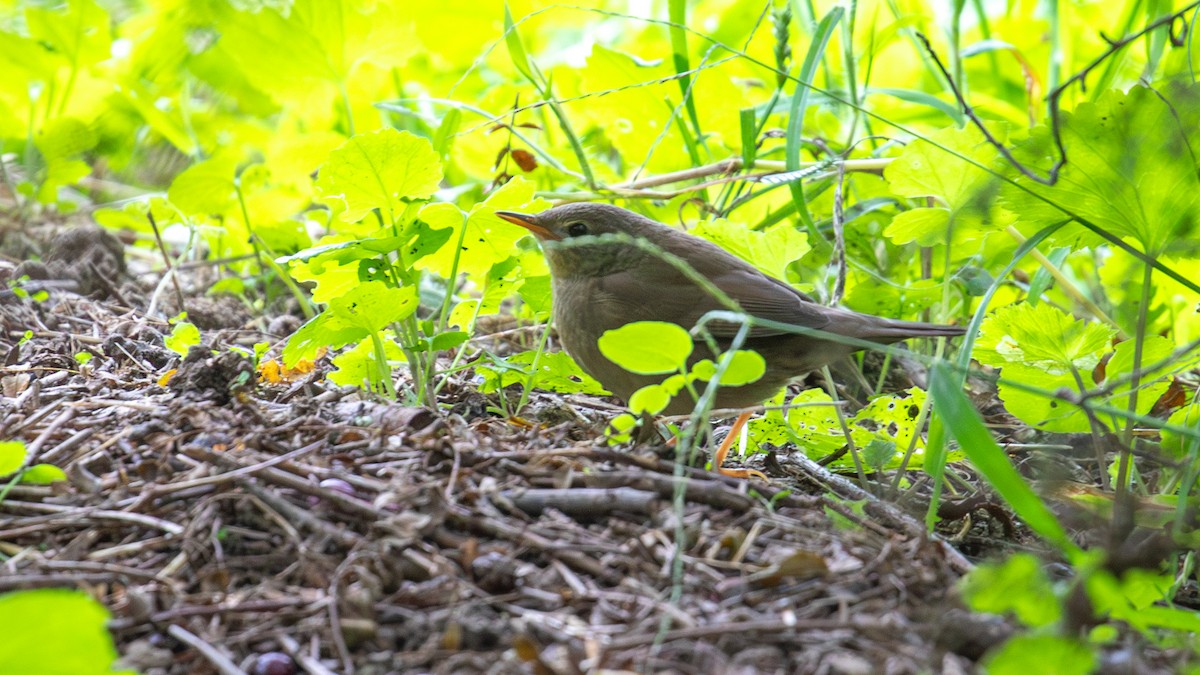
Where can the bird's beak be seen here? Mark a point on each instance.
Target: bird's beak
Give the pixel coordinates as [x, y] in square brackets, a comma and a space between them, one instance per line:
[530, 223]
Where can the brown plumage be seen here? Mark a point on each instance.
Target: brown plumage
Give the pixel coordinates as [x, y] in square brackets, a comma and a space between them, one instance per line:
[602, 285]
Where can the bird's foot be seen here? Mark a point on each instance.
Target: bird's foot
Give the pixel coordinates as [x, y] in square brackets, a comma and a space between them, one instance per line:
[720, 454]
[742, 473]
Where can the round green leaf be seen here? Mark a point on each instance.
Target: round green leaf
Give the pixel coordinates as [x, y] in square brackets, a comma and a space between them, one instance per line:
[55, 630]
[12, 456]
[43, 474]
[745, 367]
[651, 398]
[647, 347]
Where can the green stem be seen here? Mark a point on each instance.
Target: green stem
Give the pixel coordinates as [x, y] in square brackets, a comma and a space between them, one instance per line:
[381, 365]
[269, 259]
[1135, 381]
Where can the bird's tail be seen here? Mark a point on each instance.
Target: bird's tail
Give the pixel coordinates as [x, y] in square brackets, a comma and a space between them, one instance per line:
[893, 330]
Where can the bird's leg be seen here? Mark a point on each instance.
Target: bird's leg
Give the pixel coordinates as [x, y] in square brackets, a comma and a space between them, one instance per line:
[719, 456]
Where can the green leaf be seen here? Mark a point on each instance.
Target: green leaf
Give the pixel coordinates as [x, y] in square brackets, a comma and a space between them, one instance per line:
[556, 371]
[206, 188]
[799, 105]
[1044, 347]
[945, 167]
[12, 456]
[1017, 586]
[810, 421]
[1132, 168]
[1155, 349]
[536, 293]
[383, 170]
[647, 347]
[81, 34]
[364, 310]
[1177, 444]
[771, 251]
[891, 419]
[43, 474]
[651, 399]
[487, 239]
[183, 336]
[516, 50]
[878, 452]
[744, 367]
[1042, 337]
[62, 142]
[374, 306]
[620, 428]
[1033, 654]
[56, 631]
[356, 367]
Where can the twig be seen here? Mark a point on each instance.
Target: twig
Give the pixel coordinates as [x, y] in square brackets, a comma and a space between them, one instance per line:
[215, 657]
[166, 259]
[1115, 46]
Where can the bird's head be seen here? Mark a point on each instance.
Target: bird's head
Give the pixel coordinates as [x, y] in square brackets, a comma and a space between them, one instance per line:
[569, 233]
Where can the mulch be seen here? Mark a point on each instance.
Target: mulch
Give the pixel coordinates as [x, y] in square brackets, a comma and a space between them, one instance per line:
[226, 523]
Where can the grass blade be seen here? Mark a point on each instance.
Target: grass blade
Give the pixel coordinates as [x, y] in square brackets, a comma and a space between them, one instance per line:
[795, 126]
[964, 424]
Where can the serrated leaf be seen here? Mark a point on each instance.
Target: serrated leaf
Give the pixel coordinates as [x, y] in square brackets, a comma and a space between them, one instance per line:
[1042, 337]
[487, 239]
[373, 306]
[356, 367]
[365, 309]
[770, 251]
[206, 188]
[383, 170]
[936, 168]
[647, 347]
[556, 371]
[1132, 167]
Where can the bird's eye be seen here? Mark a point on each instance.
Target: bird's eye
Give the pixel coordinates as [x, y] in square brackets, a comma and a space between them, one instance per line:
[577, 229]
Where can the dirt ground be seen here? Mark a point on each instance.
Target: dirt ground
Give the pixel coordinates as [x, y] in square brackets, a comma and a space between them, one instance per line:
[319, 529]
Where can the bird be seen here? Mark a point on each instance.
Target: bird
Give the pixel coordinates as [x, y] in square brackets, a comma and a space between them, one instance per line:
[602, 283]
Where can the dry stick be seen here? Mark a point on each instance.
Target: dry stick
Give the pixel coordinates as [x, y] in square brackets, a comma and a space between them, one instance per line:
[748, 627]
[219, 661]
[699, 490]
[839, 237]
[32, 450]
[249, 470]
[308, 663]
[469, 520]
[79, 516]
[166, 259]
[335, 621]
[582, 502]
[273, 606]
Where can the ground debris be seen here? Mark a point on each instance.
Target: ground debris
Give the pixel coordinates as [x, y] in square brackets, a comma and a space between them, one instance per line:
[216, 516]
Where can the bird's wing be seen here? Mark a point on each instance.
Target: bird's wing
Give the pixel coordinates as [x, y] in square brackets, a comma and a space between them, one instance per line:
[670, 296]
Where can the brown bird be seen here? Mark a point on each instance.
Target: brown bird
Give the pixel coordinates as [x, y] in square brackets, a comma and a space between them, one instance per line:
[601, 285]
